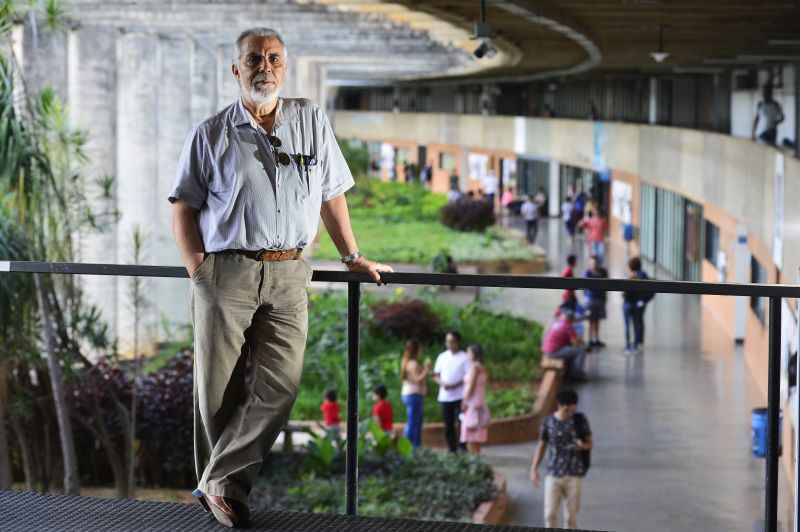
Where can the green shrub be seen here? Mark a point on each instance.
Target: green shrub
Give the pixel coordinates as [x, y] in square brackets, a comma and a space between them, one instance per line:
[430, 485]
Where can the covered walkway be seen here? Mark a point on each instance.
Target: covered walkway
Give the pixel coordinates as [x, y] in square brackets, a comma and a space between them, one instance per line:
[671, 426]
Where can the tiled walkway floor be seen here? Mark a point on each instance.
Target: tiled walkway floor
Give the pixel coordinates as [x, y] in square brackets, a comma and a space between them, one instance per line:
[671, 426]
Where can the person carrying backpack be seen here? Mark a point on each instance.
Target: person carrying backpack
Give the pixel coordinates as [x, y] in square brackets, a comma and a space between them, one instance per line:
[633, 307]
[567, 438]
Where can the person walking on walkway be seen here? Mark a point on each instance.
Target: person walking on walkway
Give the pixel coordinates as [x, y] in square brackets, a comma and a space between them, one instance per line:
[530, 213]
[633, 307]
[475, 422]
[567, 438]
[595, 227]
[252, 183]
[449, 371]
[413, 374]
[595, 302]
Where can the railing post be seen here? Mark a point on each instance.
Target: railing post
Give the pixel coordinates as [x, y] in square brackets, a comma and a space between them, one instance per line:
[353, 304]
[773, 412]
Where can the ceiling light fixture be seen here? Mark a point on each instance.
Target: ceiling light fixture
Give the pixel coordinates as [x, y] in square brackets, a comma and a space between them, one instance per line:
[484, 32]
[660, 56]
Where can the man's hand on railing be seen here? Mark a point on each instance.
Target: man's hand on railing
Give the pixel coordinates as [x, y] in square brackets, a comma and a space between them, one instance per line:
[364, 265]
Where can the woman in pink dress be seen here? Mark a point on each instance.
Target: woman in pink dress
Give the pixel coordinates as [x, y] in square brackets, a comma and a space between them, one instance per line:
[475, 420]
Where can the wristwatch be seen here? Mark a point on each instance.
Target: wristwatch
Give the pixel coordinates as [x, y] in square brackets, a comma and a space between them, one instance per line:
[351, 258]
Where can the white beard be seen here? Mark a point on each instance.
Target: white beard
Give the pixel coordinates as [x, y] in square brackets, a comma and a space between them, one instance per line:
[263, 96]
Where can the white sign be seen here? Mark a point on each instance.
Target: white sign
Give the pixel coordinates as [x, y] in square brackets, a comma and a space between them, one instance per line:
[777, 194]
[621, 198]
[478, 166]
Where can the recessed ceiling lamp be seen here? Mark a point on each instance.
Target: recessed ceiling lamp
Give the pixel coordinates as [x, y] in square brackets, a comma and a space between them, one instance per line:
[660, 56]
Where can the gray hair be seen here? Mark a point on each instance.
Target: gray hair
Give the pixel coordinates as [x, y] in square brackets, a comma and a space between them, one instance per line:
[259, 32]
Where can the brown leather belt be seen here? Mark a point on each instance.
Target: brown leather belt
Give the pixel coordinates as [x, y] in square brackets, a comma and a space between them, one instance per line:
[269, 255]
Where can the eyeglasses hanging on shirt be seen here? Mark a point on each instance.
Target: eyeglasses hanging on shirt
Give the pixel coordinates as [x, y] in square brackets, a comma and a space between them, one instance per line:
[304, 162]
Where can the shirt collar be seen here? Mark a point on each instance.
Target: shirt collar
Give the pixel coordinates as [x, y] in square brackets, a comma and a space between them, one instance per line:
[241, 115]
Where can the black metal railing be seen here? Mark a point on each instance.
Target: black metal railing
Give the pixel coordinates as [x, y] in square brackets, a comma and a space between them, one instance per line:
[775, 293]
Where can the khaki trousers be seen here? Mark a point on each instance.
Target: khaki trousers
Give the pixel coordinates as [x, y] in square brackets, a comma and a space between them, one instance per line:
[250, 324]
[556, 490]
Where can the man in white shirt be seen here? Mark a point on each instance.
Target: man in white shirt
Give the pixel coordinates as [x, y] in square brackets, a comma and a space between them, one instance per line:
[449, 372]
[530, 213]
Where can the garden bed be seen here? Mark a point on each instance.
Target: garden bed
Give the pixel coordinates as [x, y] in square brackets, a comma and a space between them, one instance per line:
[430, 486]
[399, 223]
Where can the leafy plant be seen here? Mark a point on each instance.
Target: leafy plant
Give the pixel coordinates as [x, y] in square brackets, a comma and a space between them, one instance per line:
[468, 215]
[406, 319]
[430, 485]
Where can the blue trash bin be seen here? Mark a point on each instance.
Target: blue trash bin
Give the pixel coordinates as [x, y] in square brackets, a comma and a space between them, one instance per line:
[759, 431]
[627, 232]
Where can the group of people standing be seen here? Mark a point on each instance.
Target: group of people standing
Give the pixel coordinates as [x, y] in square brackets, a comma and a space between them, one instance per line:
[462, 379]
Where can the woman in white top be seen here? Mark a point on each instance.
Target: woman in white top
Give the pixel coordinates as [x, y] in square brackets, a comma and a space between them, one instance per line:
[414, 374]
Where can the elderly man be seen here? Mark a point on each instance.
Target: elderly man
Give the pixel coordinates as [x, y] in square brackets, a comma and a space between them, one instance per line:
[251, 185]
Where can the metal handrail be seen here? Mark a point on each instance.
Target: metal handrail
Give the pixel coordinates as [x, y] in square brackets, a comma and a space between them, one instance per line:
[775, 293]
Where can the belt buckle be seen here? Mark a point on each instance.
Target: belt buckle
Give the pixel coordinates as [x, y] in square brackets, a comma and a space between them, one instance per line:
[260, 254]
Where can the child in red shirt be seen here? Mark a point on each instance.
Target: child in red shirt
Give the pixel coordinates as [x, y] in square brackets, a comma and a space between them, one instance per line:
[330, 412]
[382, 410]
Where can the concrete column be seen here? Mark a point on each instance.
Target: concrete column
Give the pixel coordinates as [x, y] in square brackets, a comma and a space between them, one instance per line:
[797, 110]
[203, 79]
[92, 99]
[140, 64]
[227, 86]
[44, 53]
[653, 101]
[554, 200]
[174, 110]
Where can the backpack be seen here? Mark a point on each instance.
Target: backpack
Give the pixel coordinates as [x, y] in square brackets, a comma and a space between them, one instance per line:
[582, 431]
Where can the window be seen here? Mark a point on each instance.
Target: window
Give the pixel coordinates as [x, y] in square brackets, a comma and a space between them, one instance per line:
[447, 162]
[712, 243]
[758, 275]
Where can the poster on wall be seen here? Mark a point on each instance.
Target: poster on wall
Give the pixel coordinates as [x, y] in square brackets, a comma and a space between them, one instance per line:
[777, 241]
[600, 138]
[478, 166]
[387, 159]
[621, 198]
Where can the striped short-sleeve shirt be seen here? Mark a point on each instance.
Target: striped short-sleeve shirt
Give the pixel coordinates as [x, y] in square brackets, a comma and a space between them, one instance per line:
[231, 173]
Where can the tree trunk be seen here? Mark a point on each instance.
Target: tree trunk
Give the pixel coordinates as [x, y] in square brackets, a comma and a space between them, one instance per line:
[5, 459]
[27, 462]
[71, 478]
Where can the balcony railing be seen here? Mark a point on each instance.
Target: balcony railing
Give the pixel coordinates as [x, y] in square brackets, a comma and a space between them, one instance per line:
[775, 293]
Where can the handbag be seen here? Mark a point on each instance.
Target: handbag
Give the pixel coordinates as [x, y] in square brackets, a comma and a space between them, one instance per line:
[476, 417]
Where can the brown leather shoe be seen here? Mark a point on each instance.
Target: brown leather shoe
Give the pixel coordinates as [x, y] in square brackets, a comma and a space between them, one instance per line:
[229, 512]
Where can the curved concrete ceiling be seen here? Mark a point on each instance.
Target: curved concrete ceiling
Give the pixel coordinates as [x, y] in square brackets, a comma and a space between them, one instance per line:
[365, 45]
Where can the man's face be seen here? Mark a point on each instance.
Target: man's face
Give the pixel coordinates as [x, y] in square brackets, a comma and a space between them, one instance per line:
[261, 68]
[451, 342]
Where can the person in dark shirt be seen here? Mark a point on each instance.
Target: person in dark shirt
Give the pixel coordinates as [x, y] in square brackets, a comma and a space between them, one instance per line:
[633, 306]
[595, 302]
[566, 436]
